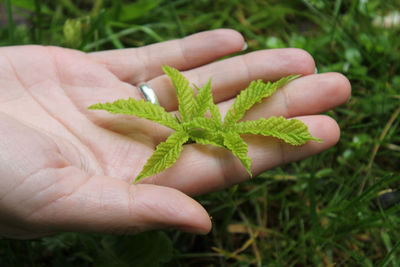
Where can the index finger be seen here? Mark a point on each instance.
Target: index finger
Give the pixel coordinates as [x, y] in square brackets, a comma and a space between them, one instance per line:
[136, 65]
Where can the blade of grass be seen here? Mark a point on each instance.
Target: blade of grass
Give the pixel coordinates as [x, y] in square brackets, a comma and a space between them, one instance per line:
[181, 31]
[116, 42]
[97, 6]
[110, 38]
[311, 197]
[388, 256]
[251, 241]
[38, 19]
[94, 27]
[388, 244]
[338, 4]
[69, 5]
[11, 24]
[376, 147]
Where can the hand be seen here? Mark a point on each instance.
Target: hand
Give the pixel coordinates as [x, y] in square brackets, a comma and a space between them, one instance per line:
[65, 168]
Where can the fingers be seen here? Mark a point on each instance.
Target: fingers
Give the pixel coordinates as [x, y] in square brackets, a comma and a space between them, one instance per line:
[202, 169]
[234, 74]
[307, 95]
[141, 64]
[105, 204]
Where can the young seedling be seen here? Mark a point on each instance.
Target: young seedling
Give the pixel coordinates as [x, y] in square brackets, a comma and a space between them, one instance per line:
[193, 126]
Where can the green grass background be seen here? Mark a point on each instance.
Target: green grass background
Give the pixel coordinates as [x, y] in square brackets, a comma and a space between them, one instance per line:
[316, 212]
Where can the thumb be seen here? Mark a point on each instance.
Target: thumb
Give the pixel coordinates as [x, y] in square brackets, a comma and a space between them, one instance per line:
[106, 204]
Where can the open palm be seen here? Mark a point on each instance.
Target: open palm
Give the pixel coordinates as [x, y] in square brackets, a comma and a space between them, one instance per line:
[66, 168]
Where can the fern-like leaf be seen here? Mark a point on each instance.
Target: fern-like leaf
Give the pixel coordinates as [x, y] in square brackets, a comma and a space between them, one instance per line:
[195, 126]
[292, 131]
[140, 108]
[215, 114]
[254, 93]
[165, 155]
[239, 148]
[184, 93]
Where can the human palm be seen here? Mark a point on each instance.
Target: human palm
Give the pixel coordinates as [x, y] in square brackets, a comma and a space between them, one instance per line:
[66, 168]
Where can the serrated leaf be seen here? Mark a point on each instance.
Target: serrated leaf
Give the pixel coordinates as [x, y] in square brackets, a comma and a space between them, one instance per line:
[292, 131]
[239, 148]
[165, 155]
[193, 126]
[254, 93]
[204, 101]
[215, 114]
[142, 109]
[184, 92]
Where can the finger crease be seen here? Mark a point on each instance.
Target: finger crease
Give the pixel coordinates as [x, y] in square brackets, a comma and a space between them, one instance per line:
[286, 102]
[144, 64]
[183, 52]
[247, 67]
[58, 198]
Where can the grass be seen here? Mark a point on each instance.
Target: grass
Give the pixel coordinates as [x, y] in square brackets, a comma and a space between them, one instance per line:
[316, 212]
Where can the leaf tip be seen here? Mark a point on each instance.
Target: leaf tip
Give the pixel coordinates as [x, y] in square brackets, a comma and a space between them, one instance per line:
[295, 76]
[167, 69]
[95, 106]
[138, 178]
[317, 140]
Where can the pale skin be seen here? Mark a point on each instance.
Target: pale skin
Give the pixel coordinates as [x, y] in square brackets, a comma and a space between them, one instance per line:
[66, 168]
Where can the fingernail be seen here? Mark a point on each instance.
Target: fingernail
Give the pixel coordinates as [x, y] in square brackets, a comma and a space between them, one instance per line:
[245, 46]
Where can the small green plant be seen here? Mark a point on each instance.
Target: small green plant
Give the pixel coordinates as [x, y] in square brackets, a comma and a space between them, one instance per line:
[193, 125]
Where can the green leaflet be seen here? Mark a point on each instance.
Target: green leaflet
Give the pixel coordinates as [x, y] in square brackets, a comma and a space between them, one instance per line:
[215, 114]
[165, 155]
[204, 101]
[184, 93]
[142, 109]
[196, 126]
[291, 131]
[239, 148]
[254, 93]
